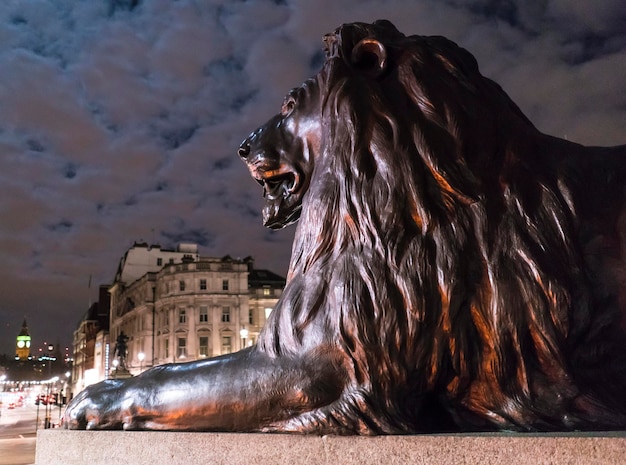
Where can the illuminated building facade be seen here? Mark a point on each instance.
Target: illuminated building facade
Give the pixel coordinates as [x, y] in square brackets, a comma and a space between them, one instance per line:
[175, 306]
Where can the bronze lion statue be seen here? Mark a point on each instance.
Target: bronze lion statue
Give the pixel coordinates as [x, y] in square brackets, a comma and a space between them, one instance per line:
[453, 268]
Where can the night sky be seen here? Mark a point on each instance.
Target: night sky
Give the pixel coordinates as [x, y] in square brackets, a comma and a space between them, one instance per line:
[120, 120]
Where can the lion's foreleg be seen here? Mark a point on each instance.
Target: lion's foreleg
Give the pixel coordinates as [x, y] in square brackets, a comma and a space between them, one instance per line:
[243, 391]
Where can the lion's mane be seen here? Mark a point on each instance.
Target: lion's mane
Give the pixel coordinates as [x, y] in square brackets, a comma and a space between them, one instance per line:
[453, 252]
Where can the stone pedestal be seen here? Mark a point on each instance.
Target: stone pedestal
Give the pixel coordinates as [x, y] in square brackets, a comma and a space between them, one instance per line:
[120, 373]
[61, 447]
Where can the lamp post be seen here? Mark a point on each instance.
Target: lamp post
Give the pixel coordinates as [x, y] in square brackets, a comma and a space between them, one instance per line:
[48, 410]
[47, 419]
[141, 356]
[63, 393]
[37, 419]
[2, 378]
[243, 332]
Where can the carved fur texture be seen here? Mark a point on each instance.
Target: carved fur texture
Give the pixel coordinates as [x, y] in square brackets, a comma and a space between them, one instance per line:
[470, 269]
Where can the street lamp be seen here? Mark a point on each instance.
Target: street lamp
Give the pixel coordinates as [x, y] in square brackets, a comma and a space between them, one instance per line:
[141, 356]
[64, 392]
[48, 412]
[243, 332]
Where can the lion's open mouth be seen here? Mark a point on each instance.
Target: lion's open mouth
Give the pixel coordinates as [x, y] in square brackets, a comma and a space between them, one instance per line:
[281, 193]
[280, 185]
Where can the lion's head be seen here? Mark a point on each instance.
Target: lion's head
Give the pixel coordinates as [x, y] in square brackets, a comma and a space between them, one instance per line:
[439, 237]
[390, 85]
[281, 155]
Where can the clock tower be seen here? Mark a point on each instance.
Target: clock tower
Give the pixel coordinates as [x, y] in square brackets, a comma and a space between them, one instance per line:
[22, 345]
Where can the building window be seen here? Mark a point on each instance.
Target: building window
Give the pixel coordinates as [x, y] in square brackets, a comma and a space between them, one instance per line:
[225, 284]
[267, 291]
[171, 261]
[204, 315]
[203, 346]
[159, 262]
[225, 314]
[181, 350]
[203, 284]
[167, 348]
[181, 285]
[251, 316]
[226, 345]
[182, 315]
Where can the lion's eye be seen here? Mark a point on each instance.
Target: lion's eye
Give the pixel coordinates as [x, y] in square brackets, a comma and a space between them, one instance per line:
[288, 106]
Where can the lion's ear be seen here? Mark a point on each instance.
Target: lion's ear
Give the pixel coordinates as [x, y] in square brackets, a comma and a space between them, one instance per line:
[370, 55]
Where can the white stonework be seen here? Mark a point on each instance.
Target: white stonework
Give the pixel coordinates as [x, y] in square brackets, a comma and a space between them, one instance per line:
[175, 306]
[141, 259]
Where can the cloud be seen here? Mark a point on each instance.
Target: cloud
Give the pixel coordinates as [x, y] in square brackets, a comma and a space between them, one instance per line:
[120, 120]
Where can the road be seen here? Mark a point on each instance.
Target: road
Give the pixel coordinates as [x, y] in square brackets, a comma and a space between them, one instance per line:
[18, 432]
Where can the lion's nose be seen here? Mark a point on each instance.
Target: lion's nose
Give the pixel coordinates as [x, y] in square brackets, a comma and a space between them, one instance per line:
[251, 141]
[244, 149]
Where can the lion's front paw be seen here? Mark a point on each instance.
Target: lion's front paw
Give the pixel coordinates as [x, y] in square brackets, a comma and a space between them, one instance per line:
[96, 407]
